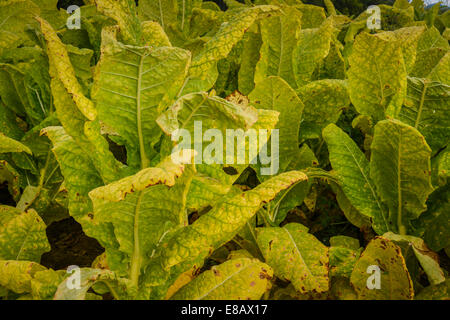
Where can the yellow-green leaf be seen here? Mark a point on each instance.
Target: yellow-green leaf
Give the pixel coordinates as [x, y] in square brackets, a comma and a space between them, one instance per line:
[377, 76]
[296, 255]
[395, 283]
[10, 145]
[400, 169]
[22, 235]
[236, 279]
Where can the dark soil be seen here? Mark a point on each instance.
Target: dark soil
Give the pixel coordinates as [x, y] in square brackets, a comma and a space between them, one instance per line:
[69, 246]
[5, 197]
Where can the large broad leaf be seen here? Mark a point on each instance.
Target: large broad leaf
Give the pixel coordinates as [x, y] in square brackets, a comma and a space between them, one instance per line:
[61, 61]
[400, 170]
[163, 11]
[344, 252]
[10, 145]
[427, 258]
[352, 169]
[377, 76]
[22, 235]
[431, 49]
[296, 255]
[274, 93]
[312, 47]
[143, 210]
[11, 90]
[49, 11]
[171, 14]
[88, 277]
[324, 102]
[436, 231]
[15, 15]
[426, 108]
[277, 209]
[249, 58]
[70, 110]
[212, 181]
[350, 212]
[408, 39]
[279, 39]
[132, 85]
[440, 166]
[17, 275]
[224, 221]
[441, 72]
[125, 14]
[384, 259]
[313, 16]
[203, 71]
[213, 112]
[236, 279]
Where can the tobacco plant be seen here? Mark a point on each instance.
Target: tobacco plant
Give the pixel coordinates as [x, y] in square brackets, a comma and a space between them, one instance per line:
[361, 113]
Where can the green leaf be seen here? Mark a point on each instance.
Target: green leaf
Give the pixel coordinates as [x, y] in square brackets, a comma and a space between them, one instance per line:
[277, 209]
[88, 277]
[125, 14]
[427, 258]
[312, 16]
[249, 59]
[352, 169]
[426, 107]
[345, 242]
[163, 11]
[377, 76]
[324, 102]
[143, 209]
[436, 231]
[441, 168]
[437, 292]
[312, 47]
[395, 281]
[60, 61]
[279, 39]
[17, 275]
[224, 221]
[212, 182]
[235, 279]
[400, 170]
[15, 15]
[132, 86]
[45, 283]
[296, 256]
[274, 93]
[81, 177]
[214, 112]
[49, 12]
[353, 216]
[427, 61]
[203, 71]
[85, 133]
[154, 35]
[408, 39]
[441, 71]
[342, 260]
[22, 235]
[10, 145]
